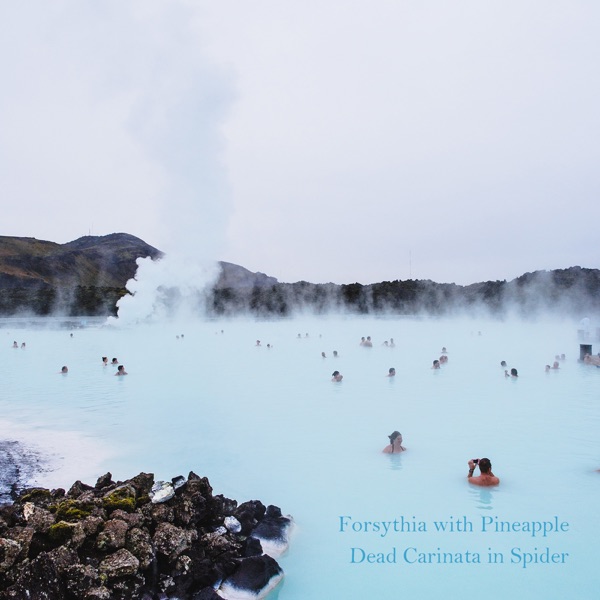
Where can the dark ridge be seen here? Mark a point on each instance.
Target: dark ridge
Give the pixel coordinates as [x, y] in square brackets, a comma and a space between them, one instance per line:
[87, 277]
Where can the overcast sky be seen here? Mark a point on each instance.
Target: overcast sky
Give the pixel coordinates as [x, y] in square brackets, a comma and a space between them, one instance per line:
[322, 140]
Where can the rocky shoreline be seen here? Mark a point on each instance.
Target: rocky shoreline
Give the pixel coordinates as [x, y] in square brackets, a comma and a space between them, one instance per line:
[138, 539]
[19, 463]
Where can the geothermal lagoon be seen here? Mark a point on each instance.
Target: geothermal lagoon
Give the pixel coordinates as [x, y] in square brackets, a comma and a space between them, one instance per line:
[266, 422]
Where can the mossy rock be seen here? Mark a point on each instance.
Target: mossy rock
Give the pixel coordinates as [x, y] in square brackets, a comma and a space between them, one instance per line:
[122, 498]
[61, 532]
[72, 510]
[36, 495]
[142, 500]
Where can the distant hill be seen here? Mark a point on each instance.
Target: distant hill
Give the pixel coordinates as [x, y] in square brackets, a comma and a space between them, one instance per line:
[85, 276]
[103, 261]
[236, 277]
[88, 276]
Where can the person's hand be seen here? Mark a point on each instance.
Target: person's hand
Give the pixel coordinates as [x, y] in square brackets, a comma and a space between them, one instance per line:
[471, 464]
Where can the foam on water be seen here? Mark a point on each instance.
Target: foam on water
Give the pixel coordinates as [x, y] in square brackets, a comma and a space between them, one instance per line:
[268, 423]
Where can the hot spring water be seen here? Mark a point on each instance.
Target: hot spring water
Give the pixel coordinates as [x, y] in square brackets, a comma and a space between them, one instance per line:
[268, 423]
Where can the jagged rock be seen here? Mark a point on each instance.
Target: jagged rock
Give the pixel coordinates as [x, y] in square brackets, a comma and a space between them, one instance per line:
[98, 593]
[142, 483]
[273, 532]
[253, 547]
[77, 489]
[249, 514]
[178, 481]
[207, 593]
[109, 542]
[139, 543]
[134, 519]
[9, 551]
[255, 577]
[113, 535]
[36, 517]
[92, 524]
[43, 574]
[104, 481]
[119, 564]
[123, 497]
[171, 541]
[81, 578]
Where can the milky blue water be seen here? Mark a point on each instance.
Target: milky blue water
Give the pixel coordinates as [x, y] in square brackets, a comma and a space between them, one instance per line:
[268, 423]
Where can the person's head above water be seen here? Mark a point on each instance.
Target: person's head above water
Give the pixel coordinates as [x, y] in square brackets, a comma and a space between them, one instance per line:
[394, 436]
[391, 372]
[486, 478]
[395, 444]
[336, 376]
[485, 465]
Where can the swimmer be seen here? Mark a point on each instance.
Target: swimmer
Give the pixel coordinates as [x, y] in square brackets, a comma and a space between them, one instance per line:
[114, 361]
[391, 372]
[513, 373]
[555, 365]
[443, 359]
[562, 357]
[386, 343]
[486, 478]
[121, 370]
[392, 345]
[588, 359]
[503, 364]
[323, 355]
[258, 342]
[362, 341]
[368, 343]
[23, 345]
[547, 368]
[436, 364]
[335, 354]
[15, 345]
[336, 376]
[444, 350]
[64, 370]
[395, 444]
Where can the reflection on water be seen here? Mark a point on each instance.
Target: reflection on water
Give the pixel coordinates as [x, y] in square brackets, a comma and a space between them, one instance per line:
[268, 423]
[483, 497]
[395, 461]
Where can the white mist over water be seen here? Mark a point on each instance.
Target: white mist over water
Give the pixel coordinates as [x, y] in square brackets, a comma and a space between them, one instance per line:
[268, 423]
[178, 120]
[171, 287]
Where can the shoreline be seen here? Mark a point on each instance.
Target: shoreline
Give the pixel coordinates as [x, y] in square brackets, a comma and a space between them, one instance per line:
[40, 457]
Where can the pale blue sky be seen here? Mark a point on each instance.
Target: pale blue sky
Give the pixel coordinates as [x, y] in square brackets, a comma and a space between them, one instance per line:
[327, 141]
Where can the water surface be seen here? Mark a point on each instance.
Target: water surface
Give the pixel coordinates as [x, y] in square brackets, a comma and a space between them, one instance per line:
[268, 423]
